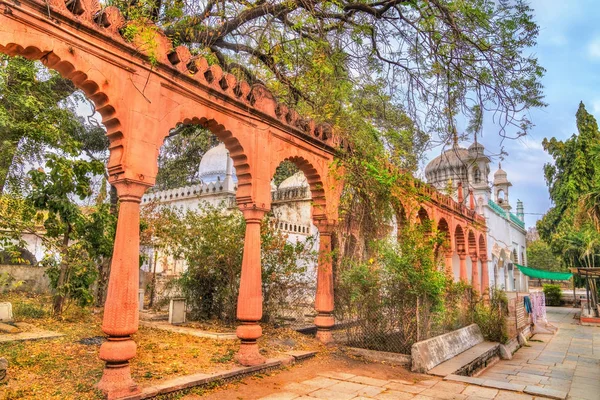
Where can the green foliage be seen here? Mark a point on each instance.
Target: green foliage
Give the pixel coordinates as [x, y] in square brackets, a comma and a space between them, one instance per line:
[491, 318]
[26, 310]
[553, 295]
[74, 271]
[37, 113]
[180, 156]
[394, 295]
[453, 56]
[8, 282]
[540, 256]
[81, 273]
[570, 228]
[284, 171]
[212, 245]
[211, 241]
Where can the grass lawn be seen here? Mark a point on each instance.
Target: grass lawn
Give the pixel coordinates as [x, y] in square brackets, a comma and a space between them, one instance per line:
[65, 368]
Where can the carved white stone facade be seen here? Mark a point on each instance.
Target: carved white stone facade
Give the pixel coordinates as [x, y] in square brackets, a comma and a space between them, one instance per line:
[470, 168]
[291, 204]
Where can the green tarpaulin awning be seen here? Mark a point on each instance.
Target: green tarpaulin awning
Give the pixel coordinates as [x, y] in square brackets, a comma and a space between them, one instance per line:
[541, 274]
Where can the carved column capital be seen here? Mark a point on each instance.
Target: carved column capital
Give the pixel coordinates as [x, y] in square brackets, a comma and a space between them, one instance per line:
[130, 191]
[253, 214]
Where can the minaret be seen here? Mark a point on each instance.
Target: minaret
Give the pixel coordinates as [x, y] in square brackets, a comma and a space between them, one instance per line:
[501, 185]
[479, 174]
[228, 184]
[520, 211]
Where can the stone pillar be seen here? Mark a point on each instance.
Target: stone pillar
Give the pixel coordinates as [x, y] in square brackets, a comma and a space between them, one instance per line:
[121, 315]
[485, 277]
[471, 200]
[463, 268]
[324, 297]
[475, 273]
[449, 269]
[249, 305]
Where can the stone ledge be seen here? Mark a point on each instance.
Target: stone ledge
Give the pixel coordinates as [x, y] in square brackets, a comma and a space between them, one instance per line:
[36, 334]
[379, 356]
[200, 379]
[469, 362]
[189, 331]
[432, 352]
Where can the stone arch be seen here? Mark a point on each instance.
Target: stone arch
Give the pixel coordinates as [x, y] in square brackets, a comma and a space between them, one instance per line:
[444, 229]
[482, 247]
[472, 242]
[90, 82]
[236, 152]
[459, 239]
[315, 183]
[401, 217]
[424, 219]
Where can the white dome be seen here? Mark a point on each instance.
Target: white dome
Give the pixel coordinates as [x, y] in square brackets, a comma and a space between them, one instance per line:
[213, 166]
[295, 181]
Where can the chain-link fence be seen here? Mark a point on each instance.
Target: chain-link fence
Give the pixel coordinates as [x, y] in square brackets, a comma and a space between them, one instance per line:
[393, 325]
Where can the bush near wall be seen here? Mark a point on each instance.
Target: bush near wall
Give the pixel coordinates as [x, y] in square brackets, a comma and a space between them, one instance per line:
[553, 295]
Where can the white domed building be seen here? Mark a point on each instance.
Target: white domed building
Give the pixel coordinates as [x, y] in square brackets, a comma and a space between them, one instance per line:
[291, 203]
[506, 242]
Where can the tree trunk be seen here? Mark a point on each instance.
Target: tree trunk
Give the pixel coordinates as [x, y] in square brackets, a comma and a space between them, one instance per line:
[153, 287]
[102, 285]
[59, 298]
[104, 270]
[9, 148]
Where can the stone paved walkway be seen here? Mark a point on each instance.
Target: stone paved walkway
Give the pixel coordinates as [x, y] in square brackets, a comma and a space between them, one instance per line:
[567, 361]
[343, 386]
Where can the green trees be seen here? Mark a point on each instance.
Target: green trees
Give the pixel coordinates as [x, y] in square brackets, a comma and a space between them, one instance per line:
[540, 256]
[567, 227]
[319, 54]
[570, 226]
[211, 242]
[37, 114]
[74, 272]
[39, 126]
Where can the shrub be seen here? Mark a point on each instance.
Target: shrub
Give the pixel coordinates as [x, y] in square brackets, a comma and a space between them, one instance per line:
[395, 298]
[491, 317]
[553, 294]
[24, 310]
[211, 241]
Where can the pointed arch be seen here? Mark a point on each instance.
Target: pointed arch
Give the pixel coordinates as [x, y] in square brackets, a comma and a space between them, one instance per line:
[482, 247]
[459, 239]
[472, 242]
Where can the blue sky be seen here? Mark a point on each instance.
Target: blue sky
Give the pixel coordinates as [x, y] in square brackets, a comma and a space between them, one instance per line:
[569, 49]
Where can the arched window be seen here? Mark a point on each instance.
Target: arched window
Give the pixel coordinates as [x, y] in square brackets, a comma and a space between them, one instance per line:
[500, 196]
[476, 175]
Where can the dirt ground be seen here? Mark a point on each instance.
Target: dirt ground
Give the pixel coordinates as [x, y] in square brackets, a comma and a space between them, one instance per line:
[68, 367]
[255, 387]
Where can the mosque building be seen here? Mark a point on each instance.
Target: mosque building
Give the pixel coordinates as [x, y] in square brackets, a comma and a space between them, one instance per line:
[506, 235]
[291, 204]
[468, 168]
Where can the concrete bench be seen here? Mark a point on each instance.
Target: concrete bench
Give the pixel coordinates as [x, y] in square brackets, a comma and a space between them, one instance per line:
[460, 352]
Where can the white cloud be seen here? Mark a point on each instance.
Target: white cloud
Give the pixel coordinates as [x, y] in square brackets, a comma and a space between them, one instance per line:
[593, 48]
[596, 106]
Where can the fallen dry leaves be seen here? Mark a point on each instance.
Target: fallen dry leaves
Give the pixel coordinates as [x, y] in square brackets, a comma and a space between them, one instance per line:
[65, 368]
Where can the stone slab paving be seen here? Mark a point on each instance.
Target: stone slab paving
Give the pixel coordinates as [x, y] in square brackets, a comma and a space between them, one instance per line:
[567, 361]
[344, 386]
